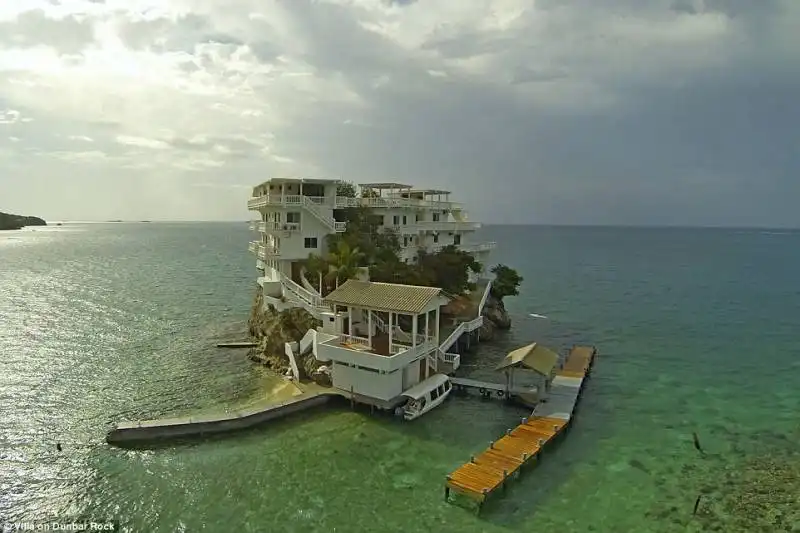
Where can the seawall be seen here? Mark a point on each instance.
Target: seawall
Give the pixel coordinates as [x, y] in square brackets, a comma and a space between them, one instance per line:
[195, 426]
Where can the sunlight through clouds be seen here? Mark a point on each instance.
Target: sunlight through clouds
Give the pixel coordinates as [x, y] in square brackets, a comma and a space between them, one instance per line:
[589, 108]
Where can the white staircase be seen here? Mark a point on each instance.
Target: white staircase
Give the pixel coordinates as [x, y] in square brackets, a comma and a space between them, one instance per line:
[329, 222]
[310, 301]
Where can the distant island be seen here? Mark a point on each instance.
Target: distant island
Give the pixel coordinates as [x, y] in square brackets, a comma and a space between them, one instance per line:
[9, 221]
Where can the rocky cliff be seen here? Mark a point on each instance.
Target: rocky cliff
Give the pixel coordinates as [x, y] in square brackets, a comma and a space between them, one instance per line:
[272, 329]
[9, 221]
[495, 312]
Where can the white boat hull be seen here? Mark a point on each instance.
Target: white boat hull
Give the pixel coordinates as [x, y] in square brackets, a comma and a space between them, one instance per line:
[426, 396]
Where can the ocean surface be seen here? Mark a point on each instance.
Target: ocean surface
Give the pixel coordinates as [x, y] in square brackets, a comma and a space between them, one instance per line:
[698, 331]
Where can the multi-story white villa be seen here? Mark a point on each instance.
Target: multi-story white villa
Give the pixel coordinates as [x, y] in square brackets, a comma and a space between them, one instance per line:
[362, 338]
[297, 214]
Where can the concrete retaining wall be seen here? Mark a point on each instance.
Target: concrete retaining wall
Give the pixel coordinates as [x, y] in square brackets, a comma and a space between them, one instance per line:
[153, 430]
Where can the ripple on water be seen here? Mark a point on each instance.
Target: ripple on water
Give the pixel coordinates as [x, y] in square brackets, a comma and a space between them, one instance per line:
[119, 321]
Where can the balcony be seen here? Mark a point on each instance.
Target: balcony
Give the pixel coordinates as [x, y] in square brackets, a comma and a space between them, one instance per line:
[431, 226]
[478, 247]
[257, 202]
[470, 247]
[449, 361]
[263, 251]
[270, 227]
[389, 203]
[354, 350]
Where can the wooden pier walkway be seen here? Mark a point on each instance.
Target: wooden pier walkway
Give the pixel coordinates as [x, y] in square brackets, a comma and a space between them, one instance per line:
[492, 469]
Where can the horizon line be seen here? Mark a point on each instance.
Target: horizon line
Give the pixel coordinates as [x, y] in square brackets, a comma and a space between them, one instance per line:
[484, 224]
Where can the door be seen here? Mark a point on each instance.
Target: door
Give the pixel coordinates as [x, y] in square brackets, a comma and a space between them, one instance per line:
[297, 272]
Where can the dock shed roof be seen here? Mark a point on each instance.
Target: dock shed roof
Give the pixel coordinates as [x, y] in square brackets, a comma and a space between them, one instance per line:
[533, 356]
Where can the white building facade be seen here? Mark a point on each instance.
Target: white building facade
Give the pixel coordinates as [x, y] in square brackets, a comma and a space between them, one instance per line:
[296, 215]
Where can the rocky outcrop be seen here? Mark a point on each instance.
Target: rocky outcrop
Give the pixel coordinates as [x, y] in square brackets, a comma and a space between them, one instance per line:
[487, 330]
[495, 313]
[9, 221]
[272, 329]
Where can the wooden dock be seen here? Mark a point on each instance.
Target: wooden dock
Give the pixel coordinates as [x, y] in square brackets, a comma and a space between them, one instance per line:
[505, 457]
[241, 344]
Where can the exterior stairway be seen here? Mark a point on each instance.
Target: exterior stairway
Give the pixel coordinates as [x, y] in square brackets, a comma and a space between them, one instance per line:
[329, 222]
[310, 301]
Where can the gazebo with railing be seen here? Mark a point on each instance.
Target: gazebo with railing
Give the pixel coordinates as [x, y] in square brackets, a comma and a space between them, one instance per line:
[372, 356]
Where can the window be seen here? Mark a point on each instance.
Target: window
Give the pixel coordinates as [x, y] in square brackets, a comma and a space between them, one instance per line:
[436, 217]
[434, 394]
[311, 242]
[405, 241]
[416, 218]
[396, 220]
[293, 218]
[404, 220]
[457, 239]
[435, 237]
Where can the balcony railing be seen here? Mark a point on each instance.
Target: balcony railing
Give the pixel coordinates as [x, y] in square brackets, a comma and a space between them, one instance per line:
[355, 340]
[431, 226]
[268, 227]
[466, 247]
[452, 359]
[267, 252]
[257, 202]
[356, 350]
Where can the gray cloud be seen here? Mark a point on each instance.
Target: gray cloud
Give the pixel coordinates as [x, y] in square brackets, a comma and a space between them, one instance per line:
[34, 28]
[602, 111]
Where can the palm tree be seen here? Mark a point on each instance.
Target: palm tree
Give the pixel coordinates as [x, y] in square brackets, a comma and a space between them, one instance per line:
[343, 262]
[316, 266]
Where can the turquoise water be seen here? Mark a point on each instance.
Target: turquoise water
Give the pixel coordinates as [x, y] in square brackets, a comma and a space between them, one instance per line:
[697, 331]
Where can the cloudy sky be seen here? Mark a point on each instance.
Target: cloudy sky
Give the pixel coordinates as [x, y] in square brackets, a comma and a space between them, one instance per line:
[576, 111]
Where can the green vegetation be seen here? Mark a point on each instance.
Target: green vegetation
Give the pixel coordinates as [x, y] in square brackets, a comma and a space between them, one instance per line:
[366, 243]
[9, 221]
[506, 281]
[347, 189]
